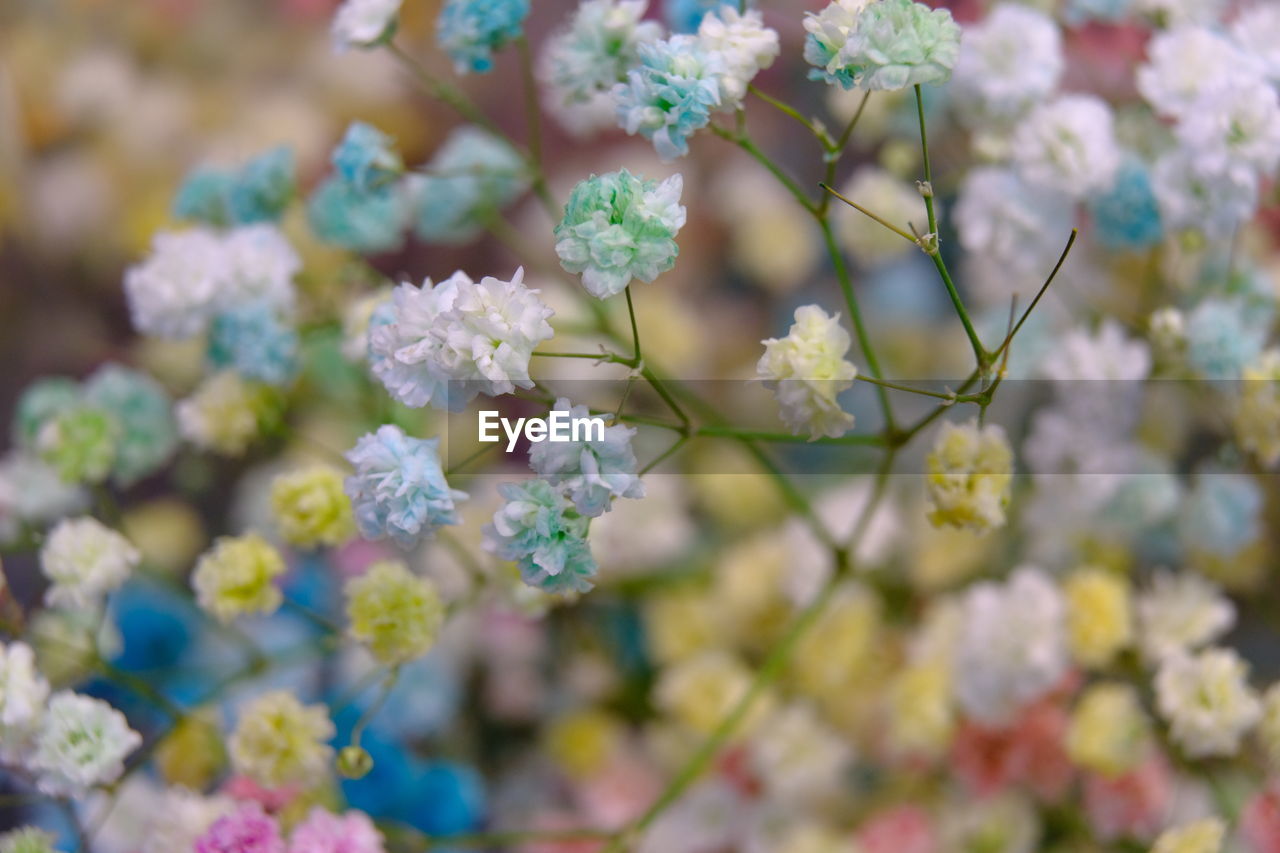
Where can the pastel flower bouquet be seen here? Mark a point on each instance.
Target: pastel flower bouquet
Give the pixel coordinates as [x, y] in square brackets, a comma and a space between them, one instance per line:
[917, 369]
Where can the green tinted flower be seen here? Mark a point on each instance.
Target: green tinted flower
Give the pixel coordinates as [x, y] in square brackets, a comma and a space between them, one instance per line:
[80, 443]
[394, 612]
[236, 577]
[898, 43]
[311, 508]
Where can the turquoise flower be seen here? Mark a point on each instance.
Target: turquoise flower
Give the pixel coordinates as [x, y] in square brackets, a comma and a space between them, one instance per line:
[619, 226]
[538, 529]
[900, 43]
[591, 473]
[399, 489]
[471, 177]
[670, 94]
[683, 16]
[41, 401]
[1127, 216]
[1079, 12]
[1222, 514]
[255, 341]
[344, 216]
[471, 30]
[1223, 336]
[365, 158]
[258, 192]
[148, 434]
[203, 195]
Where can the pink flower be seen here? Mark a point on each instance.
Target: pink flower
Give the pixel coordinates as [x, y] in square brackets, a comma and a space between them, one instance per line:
[1260, 823]
[1131, 804]
[1028, 752]
[271, 799]
[326, 832]
[901, 829]
[620, 792]
[249, 830]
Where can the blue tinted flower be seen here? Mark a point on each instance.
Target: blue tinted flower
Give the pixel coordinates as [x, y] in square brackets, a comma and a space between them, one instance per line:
[361, 221]
[899, 43]
[148, 433]
[538, 528]
[1222, 514]
[1127, 216]
[1080, 12]
[399, 489]
[471, 30]
[670, 94]
[683, 16]
[255, 341]
[263, 188]
[365, 159]
[1223, 337]
[591, 473]
[472, 176]
[203, 195]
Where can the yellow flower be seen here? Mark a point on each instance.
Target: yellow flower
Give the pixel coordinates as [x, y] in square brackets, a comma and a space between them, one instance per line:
[192, 754]
[702, 691]
[840, 644]
[921, 718]
[1099, 616]
[394, 612]
[1203, 836]
[311, 507]
[1108, 731]
[582, 742]
[970, 472]
[280, 741]
[236, 577]
[226, 413]
[1257, 417]
[679, 623]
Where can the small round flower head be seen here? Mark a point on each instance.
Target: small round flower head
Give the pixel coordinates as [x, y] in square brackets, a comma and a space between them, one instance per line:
[261, 265]
[1235, 129]
[970, 473]
[827, 32]
[1207, 701]
[619, 226]
[671, 93]
[1201, 836]
[1012, 646]
[807, 370]
[685, 16]
[82, 743]
[27, 840]
[148, 434]
[171, 293]
[247, 830]
[202, 196]
[225, 413]
[405, 349]
[745, 44]
[372, 221]
[1186, 63]
[180, 817]
[870, 243]
[1099, 616]
[1180, 613]
[1000, 216]
[255, 341]
[581, 64]
[311, 509]
[1222, 336]
[358, 319]
[1257, 416]
[471, 31]
[1068, 145]
[32, 493]
[237, 577]
[1109, 732]
[399, 489]
[365, 159]
[80, 443]
[1194, 197]
[900, 43]
[1222, 514]
[279, 741]
[23, 691]
[325, 832]
[591, 473]
[40, 402]
[394, 612]
[1008, 63]
[263, 187]
[538, 528]
[1257, 32]
[471, 177]
[85, 560]
[1127, 216]
[798, 756]
[362, 23]
[701, 691]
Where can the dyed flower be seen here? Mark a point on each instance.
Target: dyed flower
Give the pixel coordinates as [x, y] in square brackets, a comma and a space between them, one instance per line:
[26, 840]
[148, 434]
[900, 43]
[237, 577]
[745, 44]
[171, 294]
[258, 192]
[246, 830]
[1202, 836]
[1221, 515]
[538, 528]
[1008, 63]
[1222, 336]
[39, 403]
[1257, 417]
[1127, 216]
[226, 413]
[362, 23]
[671, 93]
[85, 560]
[394, 612]
[970, 476]
[1207, 701]
[473, 176]
[1194, 197]
[1181, 613]
[82, 743]
[399, 489]
[279, 741]
[311, 508]
[372, 221]
[807, 370]
[255, 341]
[1099, 620]
[23, 693]
[827, 33]
[1068, 145]
[364, 158]
[325, 832]
[684, 16]
[471, 31]
[921, 717]
[1012, 647]
[80, 444]
[591, 473]
[1109, 731]
[203, 195]
[260, 266]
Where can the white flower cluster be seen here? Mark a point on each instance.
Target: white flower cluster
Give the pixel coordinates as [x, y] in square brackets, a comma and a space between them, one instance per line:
[1207, 700]
[84, 560]
[745, 45]
[1068, 145]
[589, 473]
[807, 370]
[361, 23]
[445, 343]
[1009, 62]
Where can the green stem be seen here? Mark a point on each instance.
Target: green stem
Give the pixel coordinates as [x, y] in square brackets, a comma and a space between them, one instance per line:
[635, 331]
[786, 109]
[745, 143]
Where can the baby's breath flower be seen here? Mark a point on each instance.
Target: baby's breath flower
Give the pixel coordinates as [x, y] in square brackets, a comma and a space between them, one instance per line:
[970, 476]
[471, 31]
[842, 642]
[148, 435]
[311, 508]
[23, 691]
[1257, 417]
[237, 577]
[1019, 226]
[1194, 197]
[394, 612]
[1222, 336]
[1099, 618]
[365, 159]
[700, 692]
[619, 226]
[399, 489]
[1269, 725]
[538, 528]
[1068, 145]
[255, 341]
[1207, 701]
[1008, 63]
[372, 221]
[1235, 129]
[472, 176]
[247, 830]
[1201, 836]
[1186, 63]
[900, 43]
[744, 42]
[921, 716]
[362, 23]
[1180, 613]
[85, 560]
[827, 33]
[257, 192]
[325, 832]
[40, 402]
[591, 473]
[226, 413]
[797, 755]
[170, 294]
[27, 840]
[82, 743]
[1109, 732]
[1127, 216]
[1257, 32]
[279, 741]
[671, 93]
[80, 443]
[807, 370]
